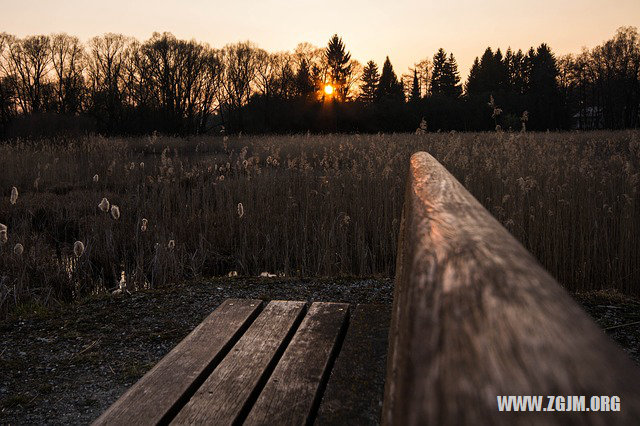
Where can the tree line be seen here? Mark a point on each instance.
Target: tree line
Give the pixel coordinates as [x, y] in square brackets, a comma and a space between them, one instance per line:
[113, 84]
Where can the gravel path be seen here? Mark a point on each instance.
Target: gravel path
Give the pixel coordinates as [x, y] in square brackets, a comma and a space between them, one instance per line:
[67, 365]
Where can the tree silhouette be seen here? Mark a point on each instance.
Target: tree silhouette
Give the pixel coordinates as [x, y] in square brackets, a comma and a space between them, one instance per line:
[414, 95]
[369, 86]
[543, 89]
[388, 86]
[303, 81]
[338, 64]
[118, 85]
[446, 78]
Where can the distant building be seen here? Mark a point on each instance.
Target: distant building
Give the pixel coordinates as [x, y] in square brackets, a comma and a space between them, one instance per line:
[588, 118]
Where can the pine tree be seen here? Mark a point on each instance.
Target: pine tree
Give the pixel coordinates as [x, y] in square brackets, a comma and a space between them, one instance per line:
[499, 73]
[370, 78]
[446, 78]
[303, 81]
[338, 64]
[388, 85]
[438, 77]
[472, 87]
[453, 88]
[544, 91]
[414, 96]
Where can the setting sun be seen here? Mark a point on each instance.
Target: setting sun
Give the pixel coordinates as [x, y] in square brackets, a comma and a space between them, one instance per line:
[328, 89]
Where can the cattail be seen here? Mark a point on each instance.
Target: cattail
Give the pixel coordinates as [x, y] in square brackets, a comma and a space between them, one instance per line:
[143, 227]
[240, 210]
[36, 183]
[524, 119]
[171, 245]
[78, 248]
[104, 205]
[3, 234]
[96, 178]
[123, 281]
[115, 212]
[14, 195]
[18, 249]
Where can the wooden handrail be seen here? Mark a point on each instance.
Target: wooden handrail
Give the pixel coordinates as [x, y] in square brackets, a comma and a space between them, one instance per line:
[475, 317]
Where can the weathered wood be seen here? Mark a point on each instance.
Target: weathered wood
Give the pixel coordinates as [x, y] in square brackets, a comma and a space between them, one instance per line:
[163, 390]
[228, 392]
[356, 385]
[476, 316]
[292, 392]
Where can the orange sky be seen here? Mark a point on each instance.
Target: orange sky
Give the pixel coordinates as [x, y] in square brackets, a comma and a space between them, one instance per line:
[405, 30]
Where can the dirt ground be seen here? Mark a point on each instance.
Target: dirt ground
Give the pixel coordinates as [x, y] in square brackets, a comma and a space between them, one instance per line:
[67, 365]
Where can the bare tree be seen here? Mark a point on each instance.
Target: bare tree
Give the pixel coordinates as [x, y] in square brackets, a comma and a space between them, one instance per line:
[107, 59]
[26, 63]
[67, 57]
[240, 62]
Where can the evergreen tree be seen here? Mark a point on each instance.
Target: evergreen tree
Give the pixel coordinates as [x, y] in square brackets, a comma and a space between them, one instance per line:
[472, 87]
[517, 73]
[499, 73]
[544, 92]
[370, 78]
[485, 72]
[338, 64]
[303, 80]
[439, 70]
[446, 78]
[453, 89]
[388, 85]
[414, 96]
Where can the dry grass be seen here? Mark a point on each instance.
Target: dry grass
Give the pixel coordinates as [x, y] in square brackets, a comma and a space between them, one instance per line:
[300, 206]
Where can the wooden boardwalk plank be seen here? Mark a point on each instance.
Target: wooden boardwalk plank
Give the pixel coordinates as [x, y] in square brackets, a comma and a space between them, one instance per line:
[292, 392]
[227, 393]
[165, 388]
[356, 386]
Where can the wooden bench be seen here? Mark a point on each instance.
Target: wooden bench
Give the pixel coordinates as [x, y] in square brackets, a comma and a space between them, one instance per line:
[252, 363]
[474, 317]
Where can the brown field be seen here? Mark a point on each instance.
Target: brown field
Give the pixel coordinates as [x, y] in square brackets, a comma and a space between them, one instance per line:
[310, 206]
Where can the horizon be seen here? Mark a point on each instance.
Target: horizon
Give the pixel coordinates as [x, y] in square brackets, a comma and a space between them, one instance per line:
[573, 26]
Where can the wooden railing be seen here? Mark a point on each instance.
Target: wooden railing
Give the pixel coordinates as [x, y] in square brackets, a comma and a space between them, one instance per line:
[476, 317]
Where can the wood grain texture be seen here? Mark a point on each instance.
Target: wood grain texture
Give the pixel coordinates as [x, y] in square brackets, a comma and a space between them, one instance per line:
[356, 386]
[476, 316]
[224, 396]
[292, 392]
[161, 391]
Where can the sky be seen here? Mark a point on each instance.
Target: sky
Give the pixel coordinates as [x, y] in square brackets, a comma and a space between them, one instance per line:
[406, 30]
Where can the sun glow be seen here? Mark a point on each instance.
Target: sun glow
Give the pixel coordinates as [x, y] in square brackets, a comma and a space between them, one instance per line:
[328, 89]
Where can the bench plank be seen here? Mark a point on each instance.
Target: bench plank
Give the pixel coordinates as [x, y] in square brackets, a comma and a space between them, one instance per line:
[228, 391]
[292, 392]
[356, 386]
[162, 391]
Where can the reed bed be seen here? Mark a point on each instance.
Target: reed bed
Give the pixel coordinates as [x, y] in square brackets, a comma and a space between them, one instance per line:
[119, 214]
